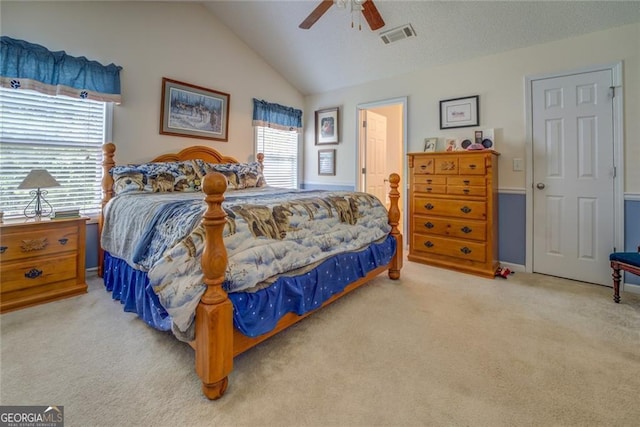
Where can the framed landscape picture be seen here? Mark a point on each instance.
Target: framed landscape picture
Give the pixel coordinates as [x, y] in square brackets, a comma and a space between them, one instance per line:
[327, 126]
[194, 111]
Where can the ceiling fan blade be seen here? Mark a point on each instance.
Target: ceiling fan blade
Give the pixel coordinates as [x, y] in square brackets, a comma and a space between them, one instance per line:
[316, 14]
[371, 14]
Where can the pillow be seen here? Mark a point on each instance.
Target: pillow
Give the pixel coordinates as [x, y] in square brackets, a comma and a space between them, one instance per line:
[157, 177]
[239, 175]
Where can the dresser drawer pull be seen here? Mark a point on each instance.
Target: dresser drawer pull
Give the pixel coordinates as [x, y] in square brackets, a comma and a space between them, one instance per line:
[3, 248]
[428, 225]
[465, 209]
[429, 189]
[472, 166]
[429, 181]
[465, 191]
[465, 250]
[466, 182]
[33, 273]
[423, 167]
[429, 206]
[63, 241]
[428, 244]
[466, 230]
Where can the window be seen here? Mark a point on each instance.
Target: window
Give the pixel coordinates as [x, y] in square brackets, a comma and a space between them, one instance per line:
[60, 134]
[280, 149]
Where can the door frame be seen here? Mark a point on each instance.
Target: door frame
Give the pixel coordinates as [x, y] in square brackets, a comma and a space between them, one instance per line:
[618, 152]
[404, 185]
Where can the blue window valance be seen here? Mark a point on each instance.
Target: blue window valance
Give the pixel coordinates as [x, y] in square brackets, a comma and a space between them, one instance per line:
[25, 65]
[276, 116]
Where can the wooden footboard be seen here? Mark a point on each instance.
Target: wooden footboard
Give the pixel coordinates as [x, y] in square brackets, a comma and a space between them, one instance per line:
[216, 341]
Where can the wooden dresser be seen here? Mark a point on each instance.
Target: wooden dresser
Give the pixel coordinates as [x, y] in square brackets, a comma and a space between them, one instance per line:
[453, 210]
[41, 261]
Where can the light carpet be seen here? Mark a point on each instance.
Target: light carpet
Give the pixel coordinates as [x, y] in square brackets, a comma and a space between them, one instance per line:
[434, 348]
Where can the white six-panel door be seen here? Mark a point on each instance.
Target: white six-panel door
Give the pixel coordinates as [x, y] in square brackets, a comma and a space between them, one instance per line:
[573, 176]
[376, 155]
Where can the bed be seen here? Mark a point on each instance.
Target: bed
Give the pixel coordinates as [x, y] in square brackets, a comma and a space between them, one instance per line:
[191, 286]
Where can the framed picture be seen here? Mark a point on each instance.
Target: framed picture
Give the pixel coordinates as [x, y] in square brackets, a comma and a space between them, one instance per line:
[326, 162]
[459, 112]
[430, 145]
[327, 126]
[452, 144]
[194, 111]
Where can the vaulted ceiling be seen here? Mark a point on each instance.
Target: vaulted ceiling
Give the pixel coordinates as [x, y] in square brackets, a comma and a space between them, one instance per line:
[331, 54]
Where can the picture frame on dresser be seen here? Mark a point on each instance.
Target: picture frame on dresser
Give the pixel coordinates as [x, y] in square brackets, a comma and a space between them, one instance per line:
[194, 111]
[460, 112]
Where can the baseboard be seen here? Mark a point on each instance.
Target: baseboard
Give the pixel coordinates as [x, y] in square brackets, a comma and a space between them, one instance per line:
[630, 287]
[518, 268]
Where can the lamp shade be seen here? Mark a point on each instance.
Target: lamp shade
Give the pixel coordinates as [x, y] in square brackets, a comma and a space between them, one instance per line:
[38, 178]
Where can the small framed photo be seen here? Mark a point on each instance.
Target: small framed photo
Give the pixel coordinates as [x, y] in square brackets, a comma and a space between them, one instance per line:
[452, 144]
[326, 162]
[193, 111]
[477, 137]
[430, 145]
[327, 126]
[459, 112]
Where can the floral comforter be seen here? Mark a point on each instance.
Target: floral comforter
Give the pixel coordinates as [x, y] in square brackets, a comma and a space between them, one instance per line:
[269, 232]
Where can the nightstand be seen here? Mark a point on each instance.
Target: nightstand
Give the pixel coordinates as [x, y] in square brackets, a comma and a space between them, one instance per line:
[41, 261]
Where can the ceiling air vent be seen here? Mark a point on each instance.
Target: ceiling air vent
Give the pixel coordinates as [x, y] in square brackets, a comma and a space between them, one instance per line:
[397, 34]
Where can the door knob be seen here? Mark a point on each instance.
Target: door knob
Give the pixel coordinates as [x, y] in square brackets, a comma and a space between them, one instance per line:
[540, 186]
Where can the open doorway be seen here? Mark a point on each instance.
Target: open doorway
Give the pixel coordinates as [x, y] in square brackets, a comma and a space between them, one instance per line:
[382, 140]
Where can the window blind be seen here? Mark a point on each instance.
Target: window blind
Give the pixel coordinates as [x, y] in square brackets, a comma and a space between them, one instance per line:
[59, 134]
[280, 149]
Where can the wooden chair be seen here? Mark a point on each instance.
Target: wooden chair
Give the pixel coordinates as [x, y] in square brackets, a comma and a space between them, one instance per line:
[627, 261]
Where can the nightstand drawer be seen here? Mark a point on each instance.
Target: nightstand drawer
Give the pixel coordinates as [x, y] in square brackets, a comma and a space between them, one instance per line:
[450, 247]
[30, 244]
[28, 273]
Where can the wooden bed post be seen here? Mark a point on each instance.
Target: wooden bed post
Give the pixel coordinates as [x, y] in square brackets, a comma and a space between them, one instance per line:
[214, 315]
[108, 152]
[394, 218]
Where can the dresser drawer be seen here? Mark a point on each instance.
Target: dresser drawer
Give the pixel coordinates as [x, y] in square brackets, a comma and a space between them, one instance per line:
[472, 165]
[429, 180]
[447, 166]
[423, 165]
[476, 181]
[30, 244]
[29, 273]
[430, 188]
[466, 190]
[450, 207]
[456, 248]
[466, 229]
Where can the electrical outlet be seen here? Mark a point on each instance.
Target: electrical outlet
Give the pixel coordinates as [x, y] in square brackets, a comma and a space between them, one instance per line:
[518, 165]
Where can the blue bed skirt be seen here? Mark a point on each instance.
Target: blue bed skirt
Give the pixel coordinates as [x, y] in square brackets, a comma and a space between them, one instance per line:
[254, 313]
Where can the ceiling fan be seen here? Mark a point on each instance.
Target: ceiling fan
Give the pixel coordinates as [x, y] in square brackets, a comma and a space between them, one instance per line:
[369, 10]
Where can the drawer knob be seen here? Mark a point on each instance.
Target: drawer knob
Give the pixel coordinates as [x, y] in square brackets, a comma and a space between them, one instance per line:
[3, 248]
[465, 191]
[465, 250]
[472, 166]
[428, 225]
[466, 230]
[429, 206]
[429, 189]
[423, 167]
[428, 244]
[429, 181]
[63, 241]
[465, 209]
[466, 182]
[33, 273]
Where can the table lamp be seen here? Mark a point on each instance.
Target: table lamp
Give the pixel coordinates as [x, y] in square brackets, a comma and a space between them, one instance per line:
[38, 178]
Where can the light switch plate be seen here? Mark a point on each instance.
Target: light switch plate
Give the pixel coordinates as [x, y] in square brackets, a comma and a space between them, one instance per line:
[518, 165]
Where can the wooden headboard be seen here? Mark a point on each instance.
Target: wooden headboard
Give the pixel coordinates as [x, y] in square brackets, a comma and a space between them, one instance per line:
[190, 153]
